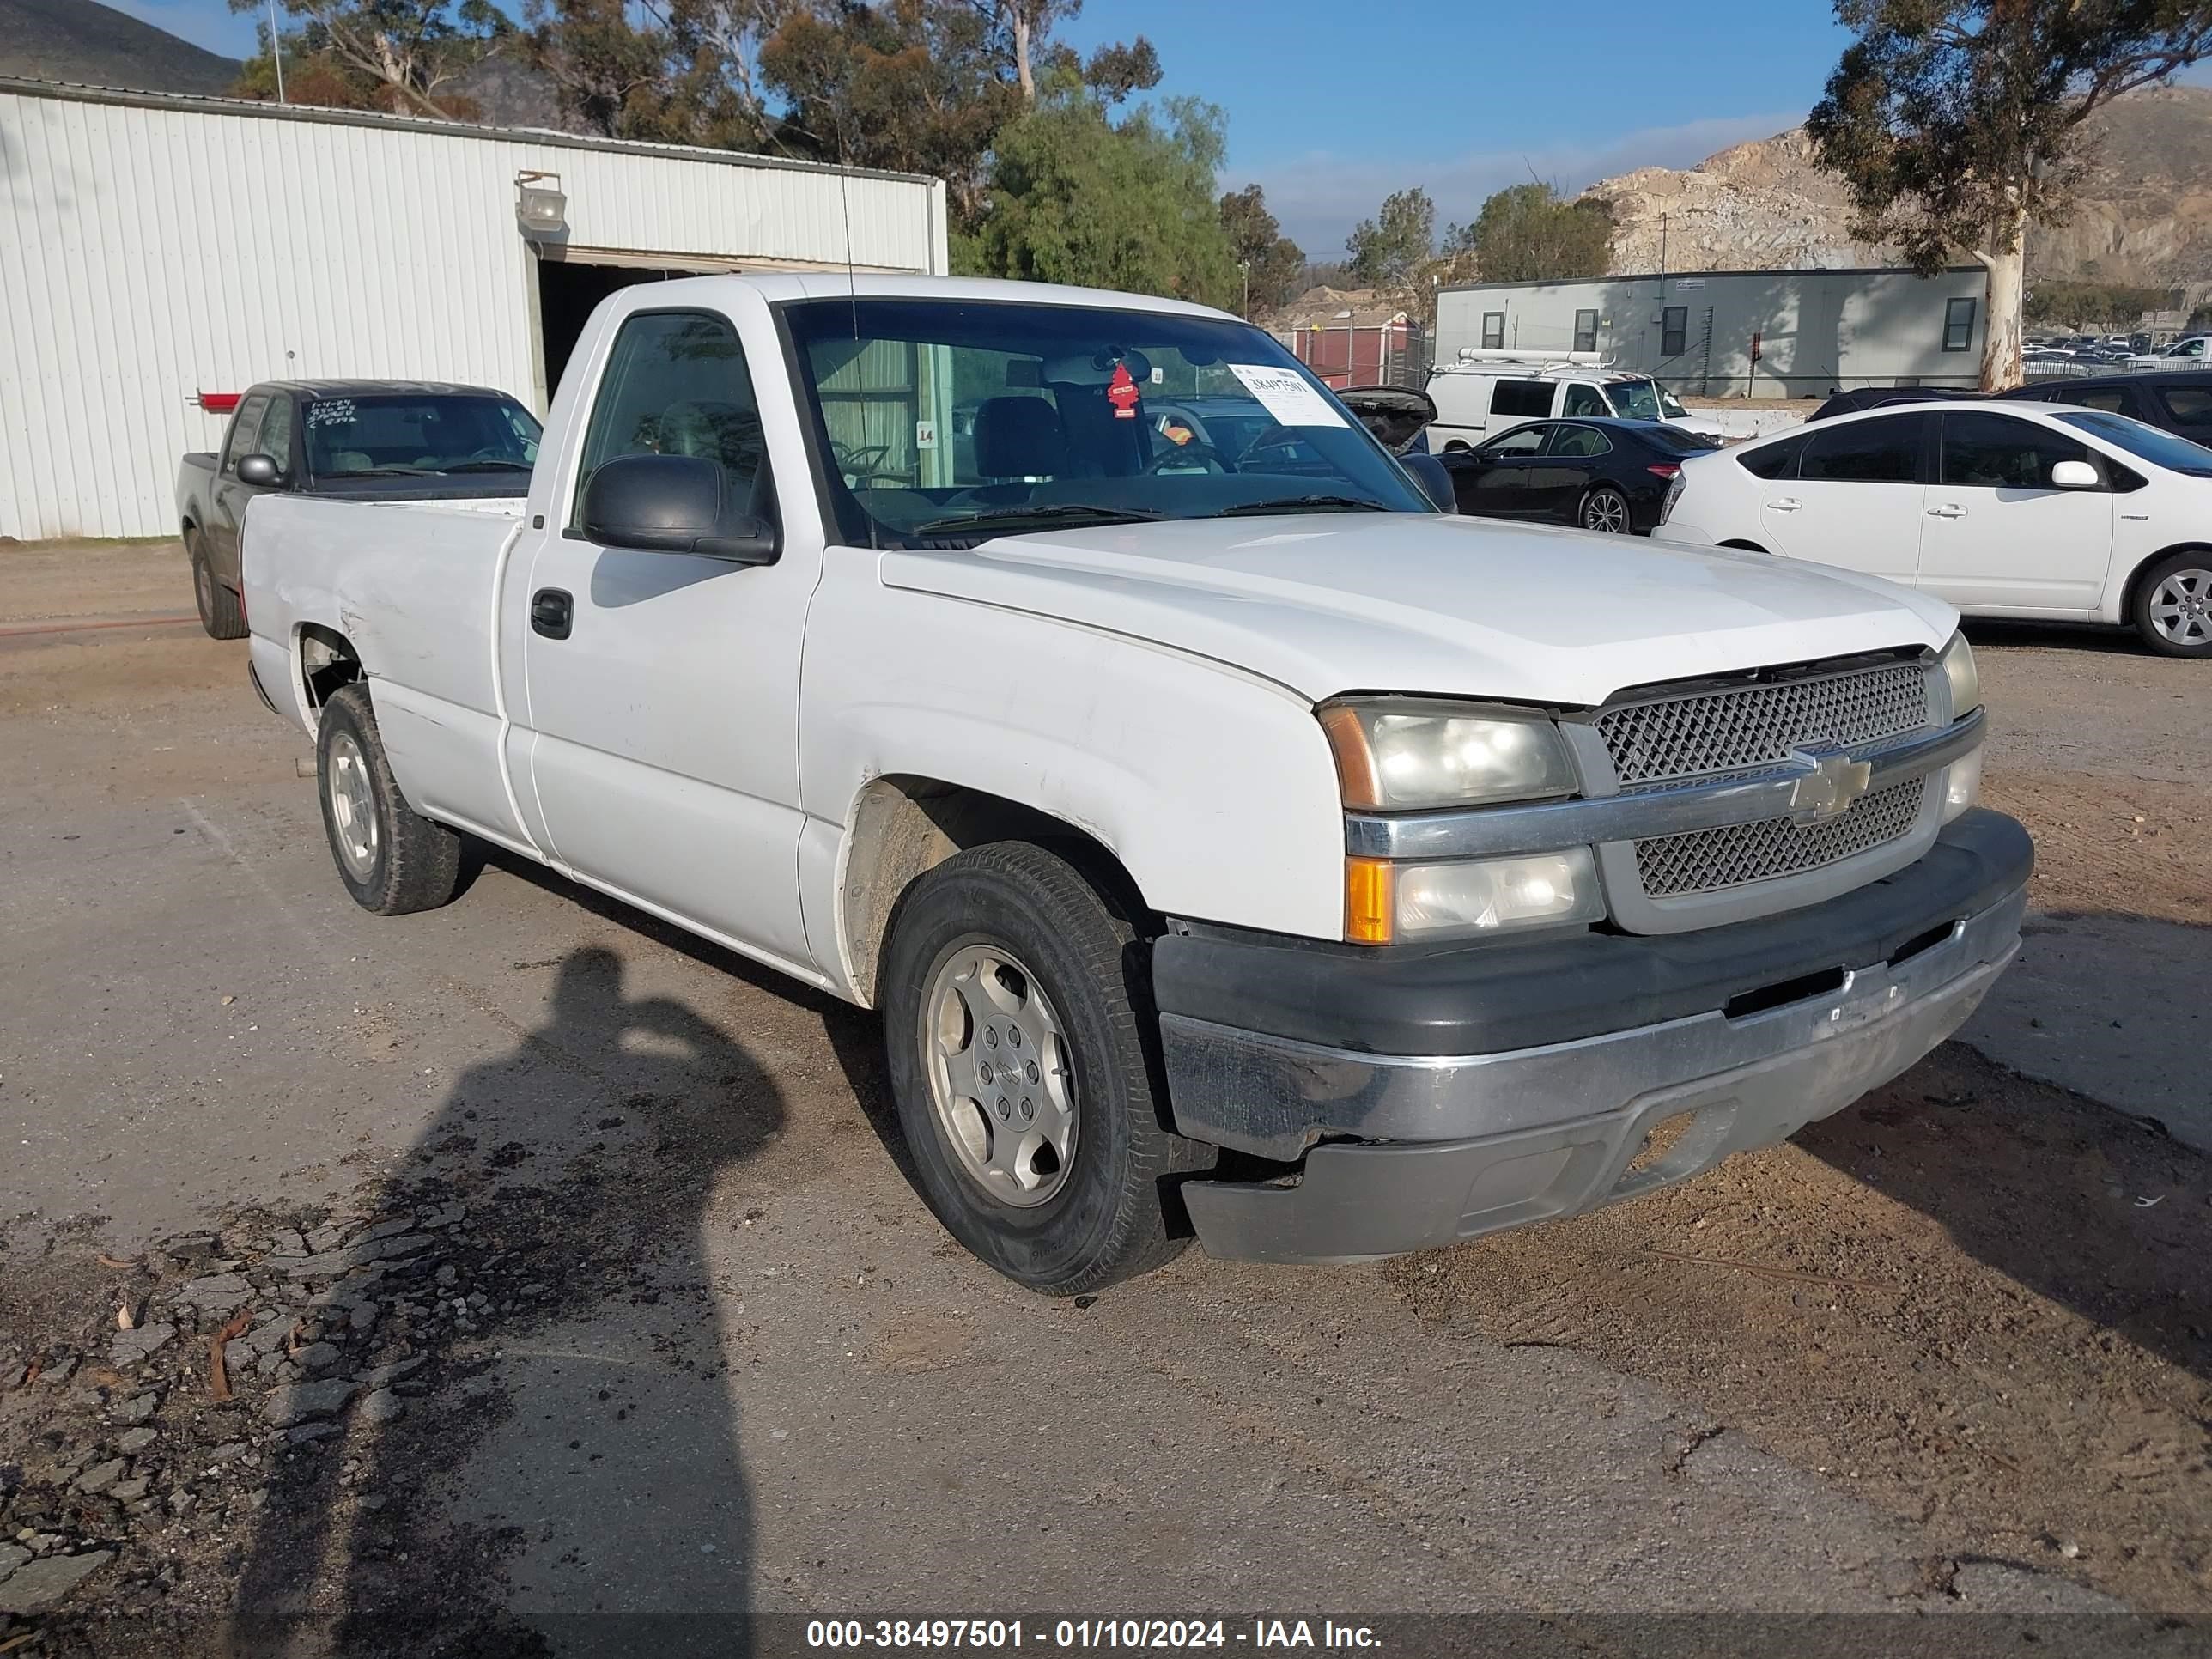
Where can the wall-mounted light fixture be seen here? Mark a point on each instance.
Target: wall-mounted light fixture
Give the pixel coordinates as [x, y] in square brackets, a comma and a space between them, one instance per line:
[540, 206]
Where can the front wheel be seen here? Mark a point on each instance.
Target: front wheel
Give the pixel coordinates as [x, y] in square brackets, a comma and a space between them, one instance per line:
[392, 859]
[1605, 509]
[1021, 1068]
[2174, 606]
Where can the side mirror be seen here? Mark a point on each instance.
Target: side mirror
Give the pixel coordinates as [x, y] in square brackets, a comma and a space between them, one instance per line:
[2064, 475]
[260, 471]
[672, 504]
[1435, 479]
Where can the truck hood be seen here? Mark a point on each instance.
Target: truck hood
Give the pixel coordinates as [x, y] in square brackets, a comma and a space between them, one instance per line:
[1416, 602]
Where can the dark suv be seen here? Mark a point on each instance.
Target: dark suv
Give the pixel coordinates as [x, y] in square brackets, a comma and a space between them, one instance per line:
[2178, 400]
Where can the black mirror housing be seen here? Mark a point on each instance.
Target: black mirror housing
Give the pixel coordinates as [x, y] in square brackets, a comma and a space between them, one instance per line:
[259, 470]
[672, 504]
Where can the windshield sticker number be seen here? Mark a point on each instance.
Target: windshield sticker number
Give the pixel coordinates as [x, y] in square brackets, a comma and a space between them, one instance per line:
[1284, 394]
[338, 411]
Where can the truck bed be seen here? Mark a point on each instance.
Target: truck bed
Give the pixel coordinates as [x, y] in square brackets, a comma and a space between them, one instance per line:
[415, 586]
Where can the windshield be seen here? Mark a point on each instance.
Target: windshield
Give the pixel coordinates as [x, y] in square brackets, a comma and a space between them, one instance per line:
[417, 433]
[2149, 443]
[961, 419]
[1633, 400]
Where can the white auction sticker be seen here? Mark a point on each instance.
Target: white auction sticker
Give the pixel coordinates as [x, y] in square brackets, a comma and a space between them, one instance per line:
[1284, 394]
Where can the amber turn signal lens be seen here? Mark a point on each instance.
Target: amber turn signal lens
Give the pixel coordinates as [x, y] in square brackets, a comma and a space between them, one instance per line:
[1368, 903]
[1355, 761]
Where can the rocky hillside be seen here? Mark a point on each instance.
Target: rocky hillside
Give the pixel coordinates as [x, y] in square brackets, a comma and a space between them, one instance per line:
[96, 46]
[2146, 215]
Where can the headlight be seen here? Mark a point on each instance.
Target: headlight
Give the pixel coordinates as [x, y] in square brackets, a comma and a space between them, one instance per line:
[1388, 903]
[1396, 755]
[1965, 682]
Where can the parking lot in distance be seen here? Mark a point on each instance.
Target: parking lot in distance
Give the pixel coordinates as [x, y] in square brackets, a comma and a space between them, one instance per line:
[1949, 1348]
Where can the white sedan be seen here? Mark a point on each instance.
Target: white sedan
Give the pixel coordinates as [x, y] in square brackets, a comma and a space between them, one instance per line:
[2003, 510]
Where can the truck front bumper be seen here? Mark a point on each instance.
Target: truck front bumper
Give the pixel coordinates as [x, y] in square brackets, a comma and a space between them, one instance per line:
[1394, 1118]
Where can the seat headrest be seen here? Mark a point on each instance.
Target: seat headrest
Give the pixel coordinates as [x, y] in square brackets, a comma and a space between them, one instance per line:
[1019, 438]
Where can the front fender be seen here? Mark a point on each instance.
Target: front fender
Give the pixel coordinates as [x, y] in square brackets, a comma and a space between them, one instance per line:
[1214, 788]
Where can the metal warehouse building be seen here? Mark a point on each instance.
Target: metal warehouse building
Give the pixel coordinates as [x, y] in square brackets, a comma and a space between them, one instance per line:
[155, 247]
[1741, 333]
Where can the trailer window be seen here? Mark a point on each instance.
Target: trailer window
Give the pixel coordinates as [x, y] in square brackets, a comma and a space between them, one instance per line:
[1586, 330]
[1957, 325]
[1674, 330]
[1493, 331]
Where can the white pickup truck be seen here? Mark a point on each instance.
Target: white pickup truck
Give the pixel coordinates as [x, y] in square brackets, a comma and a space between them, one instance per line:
[1235, 846]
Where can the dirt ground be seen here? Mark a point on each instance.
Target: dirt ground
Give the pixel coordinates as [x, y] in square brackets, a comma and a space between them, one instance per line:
[1973, 1311]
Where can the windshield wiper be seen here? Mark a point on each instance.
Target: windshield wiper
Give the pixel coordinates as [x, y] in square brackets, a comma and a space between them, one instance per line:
[488, 466]
[379, 472]
[1301, 504]
[1006, 518]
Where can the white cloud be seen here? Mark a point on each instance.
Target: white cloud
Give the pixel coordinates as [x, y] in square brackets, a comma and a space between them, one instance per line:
[1319, 198]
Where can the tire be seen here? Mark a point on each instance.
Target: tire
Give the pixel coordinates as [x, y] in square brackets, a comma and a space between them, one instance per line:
[392, 859]
[2173, 607]
[218, 606]
[1604, 509]
[1051, 957]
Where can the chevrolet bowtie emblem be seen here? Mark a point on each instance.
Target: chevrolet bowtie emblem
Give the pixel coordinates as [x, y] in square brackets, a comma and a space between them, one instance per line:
[1828, 790]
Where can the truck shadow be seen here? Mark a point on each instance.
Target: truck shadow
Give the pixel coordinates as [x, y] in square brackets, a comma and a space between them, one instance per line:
[551, 1459]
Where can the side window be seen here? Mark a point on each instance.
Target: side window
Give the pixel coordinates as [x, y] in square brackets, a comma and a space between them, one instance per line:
[1674, 330]
[1996, 452]
[1957, 325]
[676, 384]
[1886, 451]
[1580, 443]
[1586, 330]
[1584, 400]
[245, 432]
[276, 439]
[1518, 444]
[2113, 399]
[1519, 399]
[1493, 331]
[1775, 460]
[2189, 408]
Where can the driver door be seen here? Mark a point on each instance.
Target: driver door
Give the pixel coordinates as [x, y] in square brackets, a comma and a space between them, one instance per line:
[662, 689]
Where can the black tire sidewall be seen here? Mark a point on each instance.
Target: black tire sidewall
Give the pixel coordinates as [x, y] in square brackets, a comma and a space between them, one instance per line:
[2152, 639]
[203, 579]
[1081, 1236]
[347, 711]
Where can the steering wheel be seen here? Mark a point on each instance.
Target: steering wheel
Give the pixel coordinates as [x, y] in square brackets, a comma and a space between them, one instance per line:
[488, 453]
[1196, 449]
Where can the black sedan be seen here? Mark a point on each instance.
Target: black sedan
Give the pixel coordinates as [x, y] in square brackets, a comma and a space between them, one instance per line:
[1601, 475]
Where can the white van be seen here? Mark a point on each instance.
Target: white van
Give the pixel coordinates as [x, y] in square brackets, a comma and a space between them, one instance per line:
[1487, 391]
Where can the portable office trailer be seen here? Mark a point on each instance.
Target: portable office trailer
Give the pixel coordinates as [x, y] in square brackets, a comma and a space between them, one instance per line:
[1740, 333]
[157, 247]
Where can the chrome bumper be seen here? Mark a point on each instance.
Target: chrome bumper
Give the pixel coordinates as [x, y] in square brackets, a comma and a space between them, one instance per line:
[1447, 1147]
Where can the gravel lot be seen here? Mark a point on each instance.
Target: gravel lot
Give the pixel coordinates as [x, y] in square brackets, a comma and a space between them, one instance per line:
[568, 1276]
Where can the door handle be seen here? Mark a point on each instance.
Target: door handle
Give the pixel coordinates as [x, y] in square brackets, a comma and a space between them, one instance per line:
[551, 612]
[1948, 510]
[1787, 504]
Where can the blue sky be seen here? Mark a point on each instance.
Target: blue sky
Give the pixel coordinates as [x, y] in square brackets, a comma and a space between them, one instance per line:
[1332, 106]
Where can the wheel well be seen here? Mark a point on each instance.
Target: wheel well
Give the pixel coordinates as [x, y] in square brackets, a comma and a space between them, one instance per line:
[327, 661]
[904, 826]
[1744, 546]
[2142, 572]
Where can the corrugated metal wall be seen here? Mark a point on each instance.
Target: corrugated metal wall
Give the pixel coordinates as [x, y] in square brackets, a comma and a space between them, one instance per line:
[153, 249]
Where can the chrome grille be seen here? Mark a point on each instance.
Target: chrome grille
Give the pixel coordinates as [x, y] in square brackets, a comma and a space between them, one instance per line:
[1752, 726]
[1706, 861]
